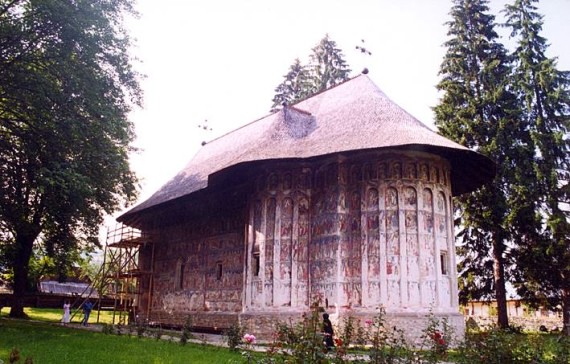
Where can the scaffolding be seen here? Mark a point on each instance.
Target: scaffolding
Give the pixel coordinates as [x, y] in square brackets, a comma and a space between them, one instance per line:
[121, 275]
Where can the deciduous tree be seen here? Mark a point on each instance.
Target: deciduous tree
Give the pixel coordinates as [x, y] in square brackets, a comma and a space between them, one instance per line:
[67, 84]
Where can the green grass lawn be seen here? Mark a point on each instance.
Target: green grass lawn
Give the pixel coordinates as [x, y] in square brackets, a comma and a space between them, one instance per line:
[55, 315]
[47, 342]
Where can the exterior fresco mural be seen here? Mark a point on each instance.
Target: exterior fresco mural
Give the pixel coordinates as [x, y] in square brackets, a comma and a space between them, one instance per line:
[350, 234]
[363, 234]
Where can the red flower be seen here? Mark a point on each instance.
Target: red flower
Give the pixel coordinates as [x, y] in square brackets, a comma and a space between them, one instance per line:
[338, 342]
[436, 335]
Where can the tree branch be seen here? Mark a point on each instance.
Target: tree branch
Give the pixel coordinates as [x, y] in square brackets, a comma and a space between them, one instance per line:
[5, 9]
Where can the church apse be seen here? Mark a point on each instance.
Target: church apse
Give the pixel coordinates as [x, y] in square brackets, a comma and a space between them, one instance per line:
[352, 234]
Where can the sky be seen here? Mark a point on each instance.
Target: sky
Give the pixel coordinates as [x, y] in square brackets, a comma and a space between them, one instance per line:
[220, 61]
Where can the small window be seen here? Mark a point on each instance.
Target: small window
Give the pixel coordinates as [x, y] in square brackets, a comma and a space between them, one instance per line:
[179, 275]
[256, 264]
[444, 263]
[219, 270]
[181, 279]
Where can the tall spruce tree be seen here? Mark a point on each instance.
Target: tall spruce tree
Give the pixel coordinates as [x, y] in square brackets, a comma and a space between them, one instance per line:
[294, 87]
[327, 68]
[544, 94]
[478, 110]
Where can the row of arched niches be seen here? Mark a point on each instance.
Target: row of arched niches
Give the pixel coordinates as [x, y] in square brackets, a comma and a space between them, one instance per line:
[353, 235]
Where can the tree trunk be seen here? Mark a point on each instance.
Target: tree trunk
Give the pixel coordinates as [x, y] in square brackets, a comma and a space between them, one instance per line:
[500, 291]
[24, 245]
[566, 311]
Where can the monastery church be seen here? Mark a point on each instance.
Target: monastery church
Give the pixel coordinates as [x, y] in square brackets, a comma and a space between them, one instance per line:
[343, 199]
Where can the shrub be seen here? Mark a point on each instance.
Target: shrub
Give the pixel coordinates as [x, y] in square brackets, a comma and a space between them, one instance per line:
[186, 331]
[388, 343]
[234, 335]
[14, 356]
[157, 333]
[496, 346]
[437, 337]
[348, 330]
[119, 330]
[141, 329]
[107, 329]
[303, 341]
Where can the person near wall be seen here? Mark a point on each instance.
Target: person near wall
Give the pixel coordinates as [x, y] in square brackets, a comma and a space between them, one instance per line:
[328, 331]
[87, 307]
[66, 312]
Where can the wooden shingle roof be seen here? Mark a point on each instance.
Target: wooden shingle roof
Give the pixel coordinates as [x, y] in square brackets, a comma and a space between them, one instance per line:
[354, 115]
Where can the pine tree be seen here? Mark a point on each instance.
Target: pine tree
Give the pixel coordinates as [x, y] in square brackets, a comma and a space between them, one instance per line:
[478, 110]
[327, 68]
[294, 87]
[544, 94]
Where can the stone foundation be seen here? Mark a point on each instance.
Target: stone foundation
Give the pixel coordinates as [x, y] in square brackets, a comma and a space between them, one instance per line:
[216, 322]
[264, 324]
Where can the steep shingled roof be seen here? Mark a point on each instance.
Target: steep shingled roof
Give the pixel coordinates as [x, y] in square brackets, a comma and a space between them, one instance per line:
[355, 115]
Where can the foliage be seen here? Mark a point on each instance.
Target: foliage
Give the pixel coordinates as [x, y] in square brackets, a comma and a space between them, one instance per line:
[14, 356]
[326, 69]
[377, 342]
[494, 346]
[479, 110]
[303, 340]
[294, 87]
[234, 335]
[347, 333]
[437, 338]
[388, 344]
[40, 266]
[141, 329]
[53, 344]
[544, 97]
[156, 332]
[186, 331]
[66, 88]
[248, 340]
[384, 344]
[107, 329]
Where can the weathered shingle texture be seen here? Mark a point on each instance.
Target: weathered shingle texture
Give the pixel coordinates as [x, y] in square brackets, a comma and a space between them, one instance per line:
[352, 116]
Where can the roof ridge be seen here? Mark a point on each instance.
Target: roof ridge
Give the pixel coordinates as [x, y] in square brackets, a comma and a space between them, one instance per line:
[297, 109]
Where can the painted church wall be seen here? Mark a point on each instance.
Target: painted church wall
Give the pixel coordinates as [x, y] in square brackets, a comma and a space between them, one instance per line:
[355, 234]
[198, 268]
[347, 233]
